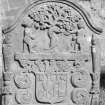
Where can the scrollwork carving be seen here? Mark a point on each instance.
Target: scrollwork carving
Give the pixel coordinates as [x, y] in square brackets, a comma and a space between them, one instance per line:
[22, 81]
[81, 79]
[23, 97]
[64, 66]
[80, 96]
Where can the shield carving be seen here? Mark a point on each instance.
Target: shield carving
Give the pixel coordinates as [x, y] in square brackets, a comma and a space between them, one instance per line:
[51, 87]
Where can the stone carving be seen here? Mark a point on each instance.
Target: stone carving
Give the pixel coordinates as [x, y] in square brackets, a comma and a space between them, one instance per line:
[23, 97]
[22, 81]
[51, 58]
[51, 88]
[8, 76]
[51, 76]
[80, 96]
[95, 90]
[57, 25]
[9, 100]
[81, 79]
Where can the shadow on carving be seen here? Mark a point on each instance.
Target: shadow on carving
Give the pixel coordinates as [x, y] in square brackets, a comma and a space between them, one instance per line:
[102, 80]
[0, 99]
[0, 91]
[102, 86]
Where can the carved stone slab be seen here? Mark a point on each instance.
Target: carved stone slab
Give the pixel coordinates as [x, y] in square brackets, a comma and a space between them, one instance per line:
[51, 56]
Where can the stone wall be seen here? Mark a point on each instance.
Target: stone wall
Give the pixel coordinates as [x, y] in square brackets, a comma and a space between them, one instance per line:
[11, 9]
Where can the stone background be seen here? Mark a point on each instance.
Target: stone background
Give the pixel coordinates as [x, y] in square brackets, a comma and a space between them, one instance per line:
[11, 9]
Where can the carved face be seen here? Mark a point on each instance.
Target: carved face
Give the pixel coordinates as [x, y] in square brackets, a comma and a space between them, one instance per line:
[30, 32]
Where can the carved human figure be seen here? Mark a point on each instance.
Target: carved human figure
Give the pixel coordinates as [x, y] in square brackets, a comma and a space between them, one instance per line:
[36, 40]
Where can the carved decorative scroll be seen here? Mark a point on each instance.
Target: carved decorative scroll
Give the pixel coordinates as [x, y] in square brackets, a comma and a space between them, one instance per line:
[22, 81]
[23, 97]
[81, 79]
[80, 96]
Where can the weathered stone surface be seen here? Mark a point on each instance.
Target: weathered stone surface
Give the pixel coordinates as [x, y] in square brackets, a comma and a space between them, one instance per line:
[52, 55]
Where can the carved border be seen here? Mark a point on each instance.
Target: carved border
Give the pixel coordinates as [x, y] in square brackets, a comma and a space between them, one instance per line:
[70, 3]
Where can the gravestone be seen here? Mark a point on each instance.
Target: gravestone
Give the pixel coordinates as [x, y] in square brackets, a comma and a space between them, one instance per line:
[51, 55]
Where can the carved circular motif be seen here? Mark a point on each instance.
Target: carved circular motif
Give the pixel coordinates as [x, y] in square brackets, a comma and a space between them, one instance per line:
[23, 97]
[22, 81]
[81, 79]
[80, 96]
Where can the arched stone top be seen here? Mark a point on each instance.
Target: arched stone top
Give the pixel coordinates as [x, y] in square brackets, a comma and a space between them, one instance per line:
[86, 17]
